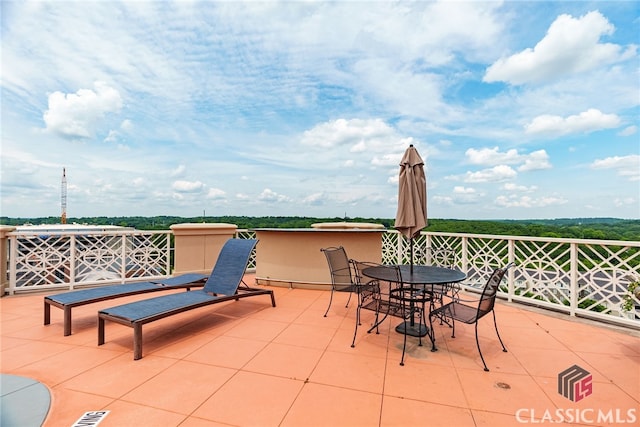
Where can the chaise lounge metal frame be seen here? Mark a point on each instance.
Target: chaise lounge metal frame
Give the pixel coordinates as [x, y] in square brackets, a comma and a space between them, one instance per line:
[68, 300]
[222, 285]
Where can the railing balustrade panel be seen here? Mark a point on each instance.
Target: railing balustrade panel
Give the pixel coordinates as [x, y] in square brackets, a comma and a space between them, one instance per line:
[588, 278]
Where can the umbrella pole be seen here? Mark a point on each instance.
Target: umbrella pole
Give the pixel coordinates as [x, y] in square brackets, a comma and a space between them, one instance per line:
[411, 255]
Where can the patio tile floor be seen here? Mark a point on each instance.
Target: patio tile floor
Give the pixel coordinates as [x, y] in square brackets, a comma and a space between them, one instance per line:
[245, 363]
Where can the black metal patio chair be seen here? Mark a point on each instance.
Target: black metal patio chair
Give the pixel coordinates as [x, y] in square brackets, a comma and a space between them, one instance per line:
[474, 310]
[368, 292]
[342, 279]
[409, 302]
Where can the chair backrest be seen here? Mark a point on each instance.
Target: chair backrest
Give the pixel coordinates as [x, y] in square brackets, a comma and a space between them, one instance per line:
[488, 298]
[359, 276]
[339, 267]
[227, 274]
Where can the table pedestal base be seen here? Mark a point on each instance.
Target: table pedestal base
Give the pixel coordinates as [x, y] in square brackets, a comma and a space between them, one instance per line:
[414, 330]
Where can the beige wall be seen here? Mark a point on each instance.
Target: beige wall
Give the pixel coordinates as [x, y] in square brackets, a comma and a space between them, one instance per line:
[292, 257]
[197, 245]
[4, 257]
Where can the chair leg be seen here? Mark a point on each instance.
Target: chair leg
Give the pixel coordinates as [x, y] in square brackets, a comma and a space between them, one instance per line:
[330, 300]
[433, 334]
[480, 351]
[404, 346]
[404, 343]
[355, 332]
[348, 300]
[498, 333]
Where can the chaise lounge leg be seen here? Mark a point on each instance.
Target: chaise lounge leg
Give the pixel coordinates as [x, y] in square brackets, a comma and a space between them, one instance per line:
[137, 341]
[100, 330]
[67, 321]
[47, 312]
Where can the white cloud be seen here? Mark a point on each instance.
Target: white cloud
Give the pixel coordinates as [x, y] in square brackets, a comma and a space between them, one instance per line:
[586, 122]
[628, 131]
[463, 190]
[494, 174]
[570, 46]
[514, 201]
[537, 160]
[465, 195]
[314, 199]
[187, 186]
[179, 171]
[216, 194]
[76, 115]
[126, 125]
[492, 156]
[509, 186]
[112, 137]
[271, 196]
[626, 201]
[352, 132]
[626, 166]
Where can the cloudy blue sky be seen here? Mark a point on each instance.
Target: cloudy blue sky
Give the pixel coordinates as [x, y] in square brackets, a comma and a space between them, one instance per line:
[519, 109]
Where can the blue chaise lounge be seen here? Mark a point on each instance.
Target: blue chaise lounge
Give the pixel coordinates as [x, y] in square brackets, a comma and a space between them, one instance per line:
[222, 285]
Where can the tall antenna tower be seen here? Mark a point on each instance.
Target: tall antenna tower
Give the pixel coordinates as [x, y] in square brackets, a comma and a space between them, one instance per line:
[63, 197]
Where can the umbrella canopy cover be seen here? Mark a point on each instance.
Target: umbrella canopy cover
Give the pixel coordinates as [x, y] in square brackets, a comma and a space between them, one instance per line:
[411, 217]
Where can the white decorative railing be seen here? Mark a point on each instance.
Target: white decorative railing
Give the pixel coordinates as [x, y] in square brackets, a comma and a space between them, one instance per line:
[69, 259]
[587, 278]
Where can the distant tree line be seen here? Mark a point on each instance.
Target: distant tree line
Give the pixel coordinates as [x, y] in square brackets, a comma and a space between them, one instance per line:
[579, 228]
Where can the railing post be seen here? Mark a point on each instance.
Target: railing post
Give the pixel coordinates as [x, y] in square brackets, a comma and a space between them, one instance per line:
[573, 287]
[511, 273]
[464, 255]
[72, 261]
[6, 259]
[123, 256]
[400, 251]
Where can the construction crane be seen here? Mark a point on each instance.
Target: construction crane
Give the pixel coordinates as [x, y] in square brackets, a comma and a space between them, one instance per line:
[63, 197]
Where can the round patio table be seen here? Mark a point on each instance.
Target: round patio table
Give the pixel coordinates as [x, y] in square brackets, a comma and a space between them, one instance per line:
[427, 278]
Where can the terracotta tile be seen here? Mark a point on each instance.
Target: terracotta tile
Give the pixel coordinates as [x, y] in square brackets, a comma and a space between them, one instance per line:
[546, 362]
[178, 347]
[373, 345]
[502, 392]
[192, 382]
[26, 352]
[321, 405]
[63, 366]
[493, 419]
[410, 413]
[289, 364]
[118, 376]
[317, 337]
[587, 341]
[425, 382]
[251, 399]
[226, 351]
[284, 360]
[281, 314]
[350, 371]
[258, 329]
[129, 414]
[67, 406]
[605, 396]
[619, 369]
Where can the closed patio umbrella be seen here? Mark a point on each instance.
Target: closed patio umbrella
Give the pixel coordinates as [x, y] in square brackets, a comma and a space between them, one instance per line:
[411, 217]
